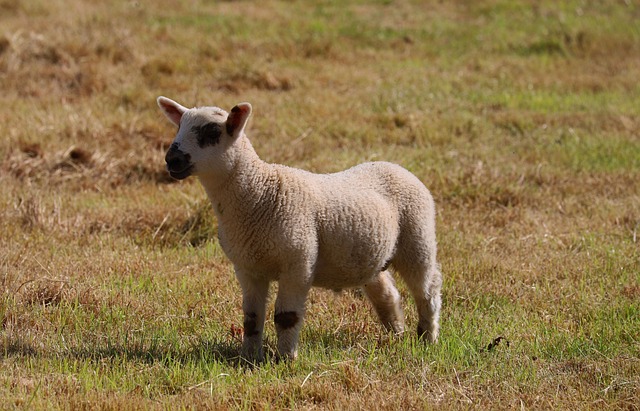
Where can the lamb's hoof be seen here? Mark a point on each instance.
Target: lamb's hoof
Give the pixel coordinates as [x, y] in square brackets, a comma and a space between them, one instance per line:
[252, 357]
[428, 335]
[286, 356]
[397, 328]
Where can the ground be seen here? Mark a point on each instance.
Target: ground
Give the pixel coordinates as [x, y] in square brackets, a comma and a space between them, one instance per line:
[520, 116]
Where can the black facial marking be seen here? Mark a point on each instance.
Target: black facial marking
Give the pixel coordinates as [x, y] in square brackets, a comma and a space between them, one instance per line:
[207, 134]
[286, 320]
[250, 325]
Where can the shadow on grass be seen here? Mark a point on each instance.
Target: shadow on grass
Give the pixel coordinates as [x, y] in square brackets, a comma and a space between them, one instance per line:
[17, 346]
[203, 351]
[198, 351]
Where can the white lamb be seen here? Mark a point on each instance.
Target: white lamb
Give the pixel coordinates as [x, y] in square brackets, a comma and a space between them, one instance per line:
[301, 229]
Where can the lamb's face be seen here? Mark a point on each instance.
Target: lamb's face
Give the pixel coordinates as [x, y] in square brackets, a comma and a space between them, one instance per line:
[205, 135]
[200, 144]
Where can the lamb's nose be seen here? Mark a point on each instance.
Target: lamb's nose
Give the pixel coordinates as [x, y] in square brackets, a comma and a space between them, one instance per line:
[175, 158]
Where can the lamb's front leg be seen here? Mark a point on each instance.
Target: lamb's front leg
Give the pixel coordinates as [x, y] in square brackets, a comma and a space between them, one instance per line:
[254, 302]
[289, 314]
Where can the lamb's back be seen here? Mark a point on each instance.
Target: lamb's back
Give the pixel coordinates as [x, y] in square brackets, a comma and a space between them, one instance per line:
[376, 181]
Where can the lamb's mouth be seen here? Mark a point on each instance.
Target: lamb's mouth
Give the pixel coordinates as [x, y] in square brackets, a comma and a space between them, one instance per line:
[181, 174]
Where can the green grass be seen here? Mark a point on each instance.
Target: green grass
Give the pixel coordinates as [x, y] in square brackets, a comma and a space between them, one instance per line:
[521, 117]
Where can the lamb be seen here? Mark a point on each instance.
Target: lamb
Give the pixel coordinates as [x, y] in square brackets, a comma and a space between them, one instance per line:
[335, 231]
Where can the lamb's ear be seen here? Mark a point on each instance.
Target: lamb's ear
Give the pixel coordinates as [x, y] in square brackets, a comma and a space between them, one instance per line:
[237, 119]
[171, 109]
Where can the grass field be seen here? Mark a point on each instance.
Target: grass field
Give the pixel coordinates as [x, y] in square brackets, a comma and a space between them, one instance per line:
[522, 117]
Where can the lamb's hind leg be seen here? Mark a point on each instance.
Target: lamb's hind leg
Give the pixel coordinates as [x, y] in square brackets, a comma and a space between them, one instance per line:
[416, 263]
[425, 287]
[385, 299]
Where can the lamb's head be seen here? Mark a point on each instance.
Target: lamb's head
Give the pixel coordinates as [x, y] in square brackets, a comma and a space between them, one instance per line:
[205, 136]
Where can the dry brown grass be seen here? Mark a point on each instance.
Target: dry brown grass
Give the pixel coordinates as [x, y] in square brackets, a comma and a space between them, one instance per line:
[521, 117]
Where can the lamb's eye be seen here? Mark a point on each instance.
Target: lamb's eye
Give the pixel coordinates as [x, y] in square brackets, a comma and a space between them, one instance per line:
[207, 134]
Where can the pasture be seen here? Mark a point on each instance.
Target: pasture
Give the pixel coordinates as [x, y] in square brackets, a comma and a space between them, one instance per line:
[521, 117]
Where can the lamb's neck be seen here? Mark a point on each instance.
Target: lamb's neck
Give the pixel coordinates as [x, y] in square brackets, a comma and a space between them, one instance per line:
[246, 182]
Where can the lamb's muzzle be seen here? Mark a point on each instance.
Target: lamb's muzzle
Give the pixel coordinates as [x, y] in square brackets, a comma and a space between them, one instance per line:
[178, 163]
